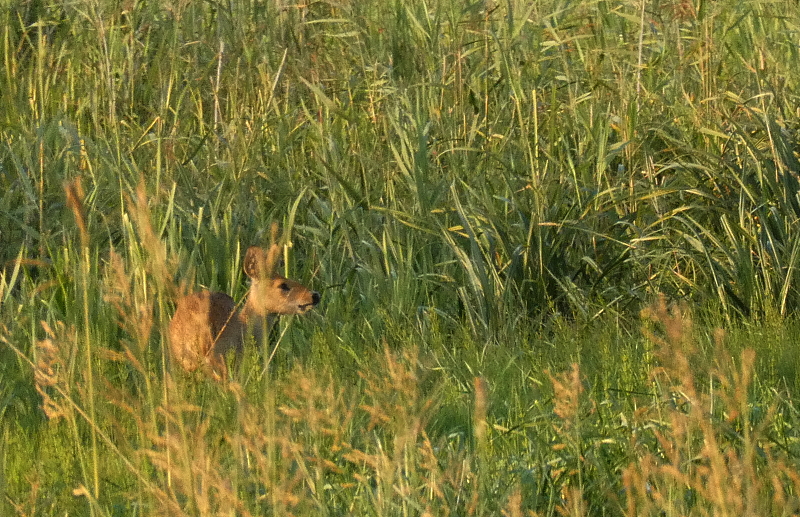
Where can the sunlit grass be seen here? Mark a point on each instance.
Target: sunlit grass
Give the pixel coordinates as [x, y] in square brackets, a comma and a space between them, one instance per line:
[487, 195]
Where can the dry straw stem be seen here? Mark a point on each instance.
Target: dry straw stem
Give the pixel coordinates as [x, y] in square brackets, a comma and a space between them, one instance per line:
[399, 411]
[705, 464]
[677, 325]
[514, 506]
[395, 405]
[317, 419]
[75, 200]
[75, 196]
[195, 470]
[47, 371]
[573, 504]
[135, 315]
[158, 265]
[567, 389]
[481, 405]
[294, 449]
[675, 347]
[50, 378]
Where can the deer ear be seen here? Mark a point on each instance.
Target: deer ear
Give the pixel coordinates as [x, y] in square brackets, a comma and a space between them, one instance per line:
[254, 262]
[274, 233]
[273, 259]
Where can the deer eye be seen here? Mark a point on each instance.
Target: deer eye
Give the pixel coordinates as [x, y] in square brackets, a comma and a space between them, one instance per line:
[284, 287]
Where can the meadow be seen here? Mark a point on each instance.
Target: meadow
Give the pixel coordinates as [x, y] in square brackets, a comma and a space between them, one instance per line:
[557, 244]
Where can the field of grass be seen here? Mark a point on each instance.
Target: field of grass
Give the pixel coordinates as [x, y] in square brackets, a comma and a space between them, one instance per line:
[557, 244]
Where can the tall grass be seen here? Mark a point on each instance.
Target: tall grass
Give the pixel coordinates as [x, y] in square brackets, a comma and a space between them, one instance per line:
[486, 194]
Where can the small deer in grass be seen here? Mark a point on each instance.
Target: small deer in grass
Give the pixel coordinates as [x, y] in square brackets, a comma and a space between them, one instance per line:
[206, 325]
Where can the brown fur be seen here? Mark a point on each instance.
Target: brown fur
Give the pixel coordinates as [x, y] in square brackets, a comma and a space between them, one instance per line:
[207, 325]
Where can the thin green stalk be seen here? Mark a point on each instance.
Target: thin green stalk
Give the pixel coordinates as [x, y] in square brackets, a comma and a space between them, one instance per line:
[87, 322]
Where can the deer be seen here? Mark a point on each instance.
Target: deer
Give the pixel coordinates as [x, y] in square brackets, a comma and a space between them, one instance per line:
[207, 325]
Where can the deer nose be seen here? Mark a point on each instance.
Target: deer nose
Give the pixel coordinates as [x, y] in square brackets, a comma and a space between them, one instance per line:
[315, 297]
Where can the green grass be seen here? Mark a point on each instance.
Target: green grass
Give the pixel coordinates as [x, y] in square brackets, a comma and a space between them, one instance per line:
[530, 223]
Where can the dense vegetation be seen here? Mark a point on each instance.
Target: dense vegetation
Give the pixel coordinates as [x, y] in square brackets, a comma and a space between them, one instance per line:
[557, 242]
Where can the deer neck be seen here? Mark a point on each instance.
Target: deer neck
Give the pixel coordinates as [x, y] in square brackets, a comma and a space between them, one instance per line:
[256, 320]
